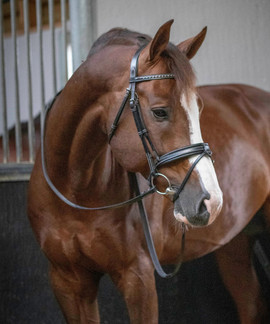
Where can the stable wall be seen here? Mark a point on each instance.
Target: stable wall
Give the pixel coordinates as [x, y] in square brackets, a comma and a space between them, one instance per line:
[236, 49]
[237, 45]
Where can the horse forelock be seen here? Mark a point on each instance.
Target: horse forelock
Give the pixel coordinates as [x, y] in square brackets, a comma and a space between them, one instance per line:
[179, 65]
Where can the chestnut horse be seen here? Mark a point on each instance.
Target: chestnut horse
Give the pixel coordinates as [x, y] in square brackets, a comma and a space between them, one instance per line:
[86, 162]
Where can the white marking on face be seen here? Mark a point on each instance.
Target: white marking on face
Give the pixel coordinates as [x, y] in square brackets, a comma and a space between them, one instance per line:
[204, 168]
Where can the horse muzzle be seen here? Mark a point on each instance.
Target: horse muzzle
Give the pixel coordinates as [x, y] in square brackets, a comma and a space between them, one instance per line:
[200, 210]
[193, 210]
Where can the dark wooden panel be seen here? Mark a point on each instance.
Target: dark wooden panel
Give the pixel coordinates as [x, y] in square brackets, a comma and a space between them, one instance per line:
[25, 295]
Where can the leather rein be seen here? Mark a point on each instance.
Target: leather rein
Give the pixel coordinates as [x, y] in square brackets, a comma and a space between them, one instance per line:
[154, 161]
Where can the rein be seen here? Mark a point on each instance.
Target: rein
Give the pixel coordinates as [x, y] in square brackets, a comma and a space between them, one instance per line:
[154, 161]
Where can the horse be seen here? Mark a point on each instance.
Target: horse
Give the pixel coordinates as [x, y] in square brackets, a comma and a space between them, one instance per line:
[97, 153]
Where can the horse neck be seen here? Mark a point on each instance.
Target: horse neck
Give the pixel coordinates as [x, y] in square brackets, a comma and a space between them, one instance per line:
[78, 157]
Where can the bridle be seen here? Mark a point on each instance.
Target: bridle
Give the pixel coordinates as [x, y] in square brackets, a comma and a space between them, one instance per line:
[154, 160]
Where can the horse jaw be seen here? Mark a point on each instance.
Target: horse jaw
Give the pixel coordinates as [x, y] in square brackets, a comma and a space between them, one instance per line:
[204, 168]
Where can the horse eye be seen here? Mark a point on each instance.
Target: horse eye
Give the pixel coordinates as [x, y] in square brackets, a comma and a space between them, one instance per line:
[160, 113]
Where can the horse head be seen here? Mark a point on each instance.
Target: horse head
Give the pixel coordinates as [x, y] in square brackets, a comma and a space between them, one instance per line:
[169, 113]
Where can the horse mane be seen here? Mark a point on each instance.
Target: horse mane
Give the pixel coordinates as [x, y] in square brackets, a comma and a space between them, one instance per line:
[177, 62]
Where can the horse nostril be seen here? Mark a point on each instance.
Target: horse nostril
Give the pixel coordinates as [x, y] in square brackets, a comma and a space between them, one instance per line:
[202, 208]
[202, 213]
[196, 209]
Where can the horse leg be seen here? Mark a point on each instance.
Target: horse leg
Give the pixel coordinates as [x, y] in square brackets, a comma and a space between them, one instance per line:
[239, 276]
[76, 293]
[137, 284]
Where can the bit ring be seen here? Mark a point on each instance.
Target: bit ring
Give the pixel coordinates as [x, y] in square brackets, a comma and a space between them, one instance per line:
[169, 190]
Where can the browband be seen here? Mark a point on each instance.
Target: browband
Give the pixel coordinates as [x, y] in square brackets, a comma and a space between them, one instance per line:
[151, 77]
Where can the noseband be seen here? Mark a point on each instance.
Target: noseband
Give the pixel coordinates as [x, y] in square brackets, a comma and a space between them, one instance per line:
[154, 160]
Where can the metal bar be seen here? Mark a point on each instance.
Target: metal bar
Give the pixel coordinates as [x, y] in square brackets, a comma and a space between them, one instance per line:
[3, 90]
[64, 39]
[18, 134]
[31, 132]
[83, 28]
[15, 172]
[51, 22]
[41, 70]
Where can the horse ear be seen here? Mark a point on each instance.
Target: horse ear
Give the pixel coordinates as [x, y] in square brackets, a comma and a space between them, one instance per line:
[190, 46]
[160, 41]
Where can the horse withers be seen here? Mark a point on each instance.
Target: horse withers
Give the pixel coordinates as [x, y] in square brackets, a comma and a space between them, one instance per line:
[92, 145]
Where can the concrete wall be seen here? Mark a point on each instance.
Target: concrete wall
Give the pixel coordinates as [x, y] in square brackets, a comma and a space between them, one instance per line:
[237, 46]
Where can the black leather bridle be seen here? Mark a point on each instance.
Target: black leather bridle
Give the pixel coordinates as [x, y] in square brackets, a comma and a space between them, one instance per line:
[154, 160]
